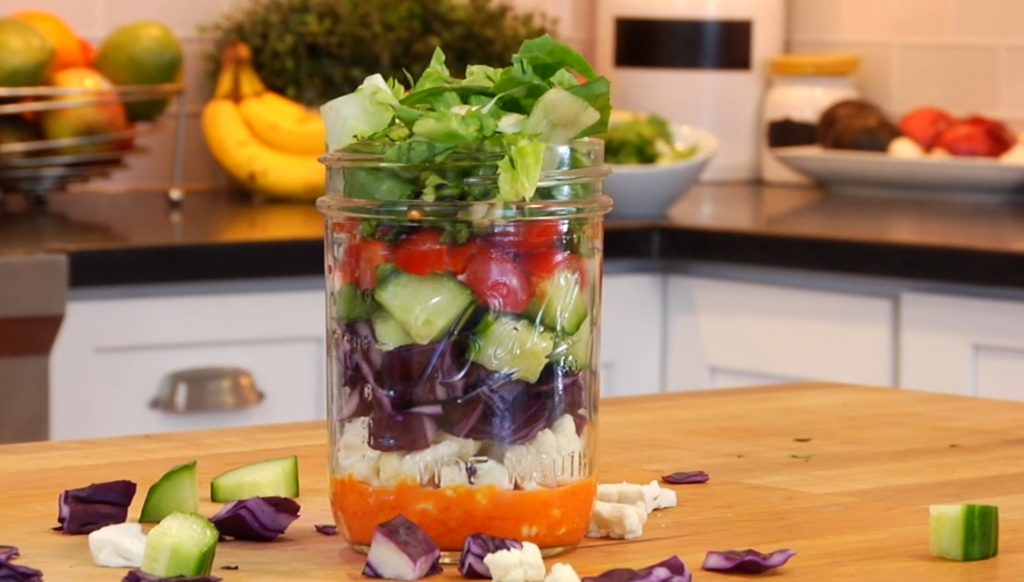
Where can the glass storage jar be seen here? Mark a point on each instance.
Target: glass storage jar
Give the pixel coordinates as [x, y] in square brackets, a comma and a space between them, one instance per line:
[463, 340]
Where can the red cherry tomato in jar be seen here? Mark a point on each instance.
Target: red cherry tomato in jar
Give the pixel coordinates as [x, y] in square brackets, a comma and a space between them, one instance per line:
[361, 262]
[459, 256]
[542, 265]
[422, 253]
[531, 235]
[498, 281]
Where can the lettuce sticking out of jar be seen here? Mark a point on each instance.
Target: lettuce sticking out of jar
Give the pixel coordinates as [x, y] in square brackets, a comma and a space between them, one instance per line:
[548, 95]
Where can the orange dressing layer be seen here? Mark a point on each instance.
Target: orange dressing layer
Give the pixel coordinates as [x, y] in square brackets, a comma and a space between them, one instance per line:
[549, 517]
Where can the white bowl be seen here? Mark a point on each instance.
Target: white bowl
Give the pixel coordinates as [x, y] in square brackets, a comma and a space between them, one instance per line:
[648, 190]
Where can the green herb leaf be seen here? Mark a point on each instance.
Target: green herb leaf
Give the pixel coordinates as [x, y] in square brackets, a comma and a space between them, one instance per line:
[546, 56]
[519, 171]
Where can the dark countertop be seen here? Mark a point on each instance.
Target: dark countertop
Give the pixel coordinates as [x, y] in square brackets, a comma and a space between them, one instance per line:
[115, 239]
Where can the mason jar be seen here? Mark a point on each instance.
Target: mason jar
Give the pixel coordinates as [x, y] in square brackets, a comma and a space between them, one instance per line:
[463, 340]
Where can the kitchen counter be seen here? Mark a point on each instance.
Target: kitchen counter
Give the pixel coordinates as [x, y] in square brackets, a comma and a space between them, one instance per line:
[136, 238]
[843, 475]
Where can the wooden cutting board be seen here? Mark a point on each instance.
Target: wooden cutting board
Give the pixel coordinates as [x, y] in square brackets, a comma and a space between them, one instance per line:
[842, 475]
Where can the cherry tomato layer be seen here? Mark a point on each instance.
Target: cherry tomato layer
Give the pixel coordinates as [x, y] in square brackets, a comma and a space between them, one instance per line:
[498, 281]
[422, 253]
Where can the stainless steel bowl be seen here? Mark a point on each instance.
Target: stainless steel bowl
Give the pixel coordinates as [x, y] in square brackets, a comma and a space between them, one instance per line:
[206, 390]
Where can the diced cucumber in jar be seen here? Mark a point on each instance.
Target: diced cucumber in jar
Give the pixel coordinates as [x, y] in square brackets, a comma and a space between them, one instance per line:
[389, 333]
[559, 304]
[964, 532]
[578, 348]
[427, 307]
[512, 345]
[352, 305]
[182, 544]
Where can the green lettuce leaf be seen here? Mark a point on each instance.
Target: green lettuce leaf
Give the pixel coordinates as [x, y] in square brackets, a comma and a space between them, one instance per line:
[519, 171]
[360, 114]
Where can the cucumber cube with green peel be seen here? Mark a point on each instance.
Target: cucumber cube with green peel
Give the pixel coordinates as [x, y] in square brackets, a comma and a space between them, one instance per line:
[182, 544]
[512, 345]
[426, 306]
[964, 532]
[272, 478]
[176, 490]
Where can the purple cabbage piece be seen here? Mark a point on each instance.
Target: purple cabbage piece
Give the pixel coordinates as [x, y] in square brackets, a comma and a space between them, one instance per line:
[686, 477]
[476, 547]
[359, 359]
[512, 411]
[421, 374]
[259, 519]
[10, 572]
[401, 432]
[8, 553]
[140, 576]
[87, 509]
[749, 561]
[401, 550]
[671, 570]
[327, 529]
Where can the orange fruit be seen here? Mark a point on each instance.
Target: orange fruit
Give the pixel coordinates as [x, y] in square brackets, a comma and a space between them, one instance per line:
[66, 46]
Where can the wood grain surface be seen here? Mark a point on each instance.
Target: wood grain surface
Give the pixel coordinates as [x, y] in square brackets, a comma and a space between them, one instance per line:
[842, 475]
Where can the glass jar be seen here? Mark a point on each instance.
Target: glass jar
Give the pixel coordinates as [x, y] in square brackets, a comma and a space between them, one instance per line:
[463, 343]
[802, 87]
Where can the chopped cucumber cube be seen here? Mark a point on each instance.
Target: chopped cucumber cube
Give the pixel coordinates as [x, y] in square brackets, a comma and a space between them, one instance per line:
[512, 345]
[273, 478]
[389, 333]
[559, 305]
[176, 490]
[352, 305]
[427, 307]
[964, 532]
[182, 544]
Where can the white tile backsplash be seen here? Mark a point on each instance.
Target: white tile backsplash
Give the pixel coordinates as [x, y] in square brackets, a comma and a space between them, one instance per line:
[962, 55]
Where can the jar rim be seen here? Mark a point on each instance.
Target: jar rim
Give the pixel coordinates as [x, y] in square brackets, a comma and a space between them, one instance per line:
[372, 153]
[415, 210]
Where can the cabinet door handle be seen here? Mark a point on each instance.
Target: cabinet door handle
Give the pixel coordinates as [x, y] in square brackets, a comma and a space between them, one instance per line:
[206, 390]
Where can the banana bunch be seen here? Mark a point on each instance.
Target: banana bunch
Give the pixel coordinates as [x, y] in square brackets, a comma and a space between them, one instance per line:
[264, 140]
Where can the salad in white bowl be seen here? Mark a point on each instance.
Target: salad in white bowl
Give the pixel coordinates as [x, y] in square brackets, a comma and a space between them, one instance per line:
[653, 163]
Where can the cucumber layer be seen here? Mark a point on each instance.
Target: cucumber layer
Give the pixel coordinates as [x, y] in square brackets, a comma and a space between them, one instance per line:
[390, 334]
[559, 305]
[273, 478]
[425, 306]
[182, 544]
[964, 532]
[352, 305]
[512, 345]
[177, 490]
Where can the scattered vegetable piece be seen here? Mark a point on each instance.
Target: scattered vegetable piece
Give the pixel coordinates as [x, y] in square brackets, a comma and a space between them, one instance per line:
[14, 573]
[87, 509]
[327, 529]
[258, 519]
[688, 477]
[401, 550]
[120, 545]
[10, 572]
[8, 553]
[140, 576]
[562, 573]
[964, 532]
[802, 456]
[229, 567]
[176, 490]
[802, 440]
[749, 561]
[651, 495]
[670, 570]
[476, 548]
[182, 544]
[271, 478]
[524, 564]
[623, 521]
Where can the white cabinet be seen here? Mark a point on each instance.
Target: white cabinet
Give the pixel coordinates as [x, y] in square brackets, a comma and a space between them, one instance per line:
[730, 333]
[632, 334]
[962, 345]
[116, 344]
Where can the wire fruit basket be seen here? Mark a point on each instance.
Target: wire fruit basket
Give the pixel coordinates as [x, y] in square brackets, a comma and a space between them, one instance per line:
[37, 167]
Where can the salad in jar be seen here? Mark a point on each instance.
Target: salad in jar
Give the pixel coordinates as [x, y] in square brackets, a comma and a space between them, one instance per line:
[463, 260]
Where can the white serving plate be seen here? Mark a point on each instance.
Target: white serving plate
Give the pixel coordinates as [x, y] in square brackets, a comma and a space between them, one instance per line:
[876, 172]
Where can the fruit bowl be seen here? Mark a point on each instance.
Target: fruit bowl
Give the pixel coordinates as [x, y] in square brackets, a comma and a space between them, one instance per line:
[35, 166]
[648, 190]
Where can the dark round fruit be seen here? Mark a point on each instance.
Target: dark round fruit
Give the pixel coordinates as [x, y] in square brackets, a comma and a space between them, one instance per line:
[856, 124]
